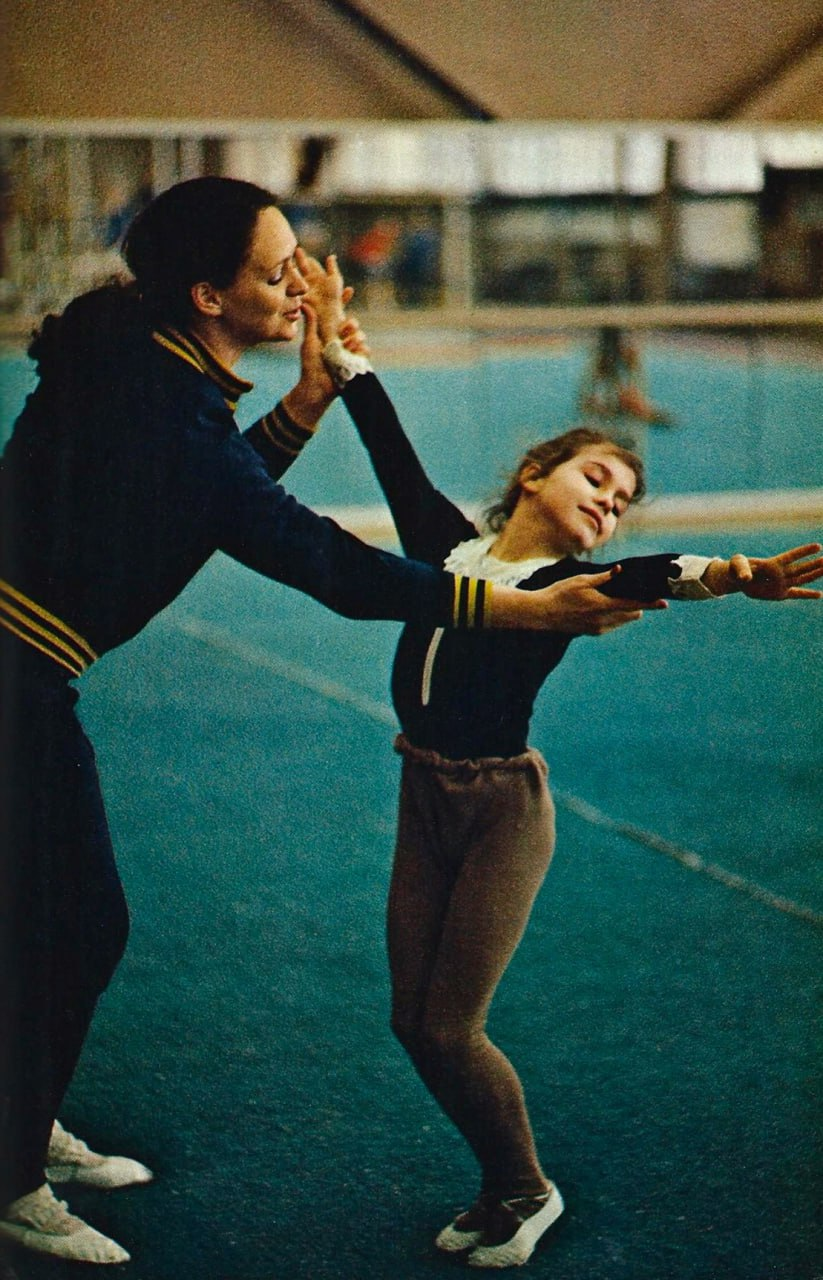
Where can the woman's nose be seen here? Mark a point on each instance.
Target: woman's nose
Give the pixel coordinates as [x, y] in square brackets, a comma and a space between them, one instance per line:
[297, 283]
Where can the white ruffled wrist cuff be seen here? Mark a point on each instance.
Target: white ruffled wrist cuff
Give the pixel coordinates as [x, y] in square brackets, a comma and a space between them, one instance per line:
[689, 586]
[343, 365]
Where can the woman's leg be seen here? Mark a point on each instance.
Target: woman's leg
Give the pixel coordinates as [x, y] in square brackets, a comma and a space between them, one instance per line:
[64, 921]
[473, 848]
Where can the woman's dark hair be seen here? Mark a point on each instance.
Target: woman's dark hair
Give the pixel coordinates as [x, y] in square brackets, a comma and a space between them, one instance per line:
[91, 324]
[550, 454]
[197, 230]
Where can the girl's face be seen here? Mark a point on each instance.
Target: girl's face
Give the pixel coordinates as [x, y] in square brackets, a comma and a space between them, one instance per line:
[576, 506]
[262, 303]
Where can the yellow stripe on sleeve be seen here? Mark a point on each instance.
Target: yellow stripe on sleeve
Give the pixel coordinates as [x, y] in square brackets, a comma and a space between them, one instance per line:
[458, 582]
[471, 603]
[73, 666]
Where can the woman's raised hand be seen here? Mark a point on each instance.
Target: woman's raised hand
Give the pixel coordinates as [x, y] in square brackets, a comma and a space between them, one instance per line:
[325, 318]
[328, 296]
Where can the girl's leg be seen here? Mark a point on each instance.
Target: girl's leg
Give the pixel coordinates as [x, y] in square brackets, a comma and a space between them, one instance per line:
[419, 893]
[455, 923]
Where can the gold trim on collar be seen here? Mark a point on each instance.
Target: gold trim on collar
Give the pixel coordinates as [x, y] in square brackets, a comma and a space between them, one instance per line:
[198, 355]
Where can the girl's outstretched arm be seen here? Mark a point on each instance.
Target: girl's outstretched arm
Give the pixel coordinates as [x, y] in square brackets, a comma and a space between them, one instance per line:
[781, 577]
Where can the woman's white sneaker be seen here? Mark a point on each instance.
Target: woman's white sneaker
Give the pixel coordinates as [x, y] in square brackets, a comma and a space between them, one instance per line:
[515, 1226]
[41, 1222]
[69, 1159]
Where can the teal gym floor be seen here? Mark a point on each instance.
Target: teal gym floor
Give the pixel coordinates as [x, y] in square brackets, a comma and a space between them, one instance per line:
[661, 1010]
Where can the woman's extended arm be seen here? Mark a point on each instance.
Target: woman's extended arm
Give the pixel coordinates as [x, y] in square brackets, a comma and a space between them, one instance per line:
[431, 524]
[574, 606]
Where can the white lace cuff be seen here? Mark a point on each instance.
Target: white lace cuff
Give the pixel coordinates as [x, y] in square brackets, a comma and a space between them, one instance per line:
[689, 585]
[343, 365]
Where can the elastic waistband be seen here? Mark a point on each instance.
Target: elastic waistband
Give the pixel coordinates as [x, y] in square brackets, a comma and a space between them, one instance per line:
[42, 630]
[480, 764]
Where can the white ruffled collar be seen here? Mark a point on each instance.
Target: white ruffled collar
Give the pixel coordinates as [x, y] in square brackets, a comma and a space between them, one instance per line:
[473, 560]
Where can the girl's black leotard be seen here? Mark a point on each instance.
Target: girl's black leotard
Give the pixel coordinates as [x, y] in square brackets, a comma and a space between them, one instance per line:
[469, 694]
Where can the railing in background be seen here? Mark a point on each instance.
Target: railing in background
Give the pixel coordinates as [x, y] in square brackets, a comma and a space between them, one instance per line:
[442, 215]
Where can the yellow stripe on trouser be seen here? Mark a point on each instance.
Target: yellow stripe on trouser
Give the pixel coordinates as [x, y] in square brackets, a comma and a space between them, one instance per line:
[50, 635]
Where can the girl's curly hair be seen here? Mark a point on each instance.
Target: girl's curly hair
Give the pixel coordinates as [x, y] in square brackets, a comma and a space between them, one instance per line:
[550, 454]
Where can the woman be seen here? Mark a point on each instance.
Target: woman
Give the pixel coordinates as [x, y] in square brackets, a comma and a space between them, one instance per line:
[125, 472]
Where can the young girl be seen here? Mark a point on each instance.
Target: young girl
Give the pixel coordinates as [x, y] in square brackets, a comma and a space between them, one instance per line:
[476, 821]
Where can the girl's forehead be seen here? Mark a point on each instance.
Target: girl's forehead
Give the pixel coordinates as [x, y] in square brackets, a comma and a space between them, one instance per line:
[605, 453]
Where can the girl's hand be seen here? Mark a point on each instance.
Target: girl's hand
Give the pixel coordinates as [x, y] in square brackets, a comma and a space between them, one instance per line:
[353, 337]
[328, 296]
[780, 577]
[309, 400]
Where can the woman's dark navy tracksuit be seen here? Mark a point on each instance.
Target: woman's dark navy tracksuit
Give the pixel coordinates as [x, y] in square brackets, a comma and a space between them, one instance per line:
[125, 472]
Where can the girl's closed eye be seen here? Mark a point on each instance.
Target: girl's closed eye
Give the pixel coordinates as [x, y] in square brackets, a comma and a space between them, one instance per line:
[596, 482]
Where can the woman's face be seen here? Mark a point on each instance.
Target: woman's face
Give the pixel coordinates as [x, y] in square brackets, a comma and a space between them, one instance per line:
[262, 303]
[579, 502]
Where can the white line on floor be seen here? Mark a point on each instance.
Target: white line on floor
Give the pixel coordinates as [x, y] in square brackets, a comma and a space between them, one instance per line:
[306, 678]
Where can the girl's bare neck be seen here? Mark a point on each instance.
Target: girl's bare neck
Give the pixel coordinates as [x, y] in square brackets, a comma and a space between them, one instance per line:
[518, 540]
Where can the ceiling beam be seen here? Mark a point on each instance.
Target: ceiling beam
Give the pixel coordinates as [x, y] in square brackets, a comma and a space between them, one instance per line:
[426, 71]
[739, 103]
